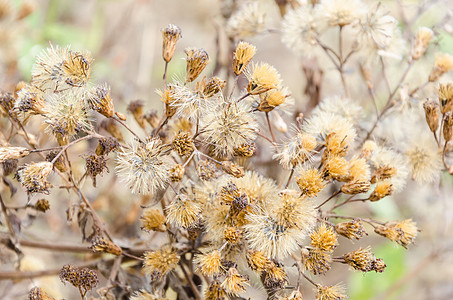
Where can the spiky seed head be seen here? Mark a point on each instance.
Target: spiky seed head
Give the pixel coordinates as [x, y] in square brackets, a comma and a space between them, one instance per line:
[382, 189]
[101, 244]
[336, 292]
[215, 291]
[34, 176]
[256, 260]
[242, 56]
[153, 220]
[422, 40]
[443, 64]
[297, 150]
[335, 167]
[274, 276]
[210, 263]
[262, 77]
[363, 260]
[354, 187]
[159, 262]
[171, 34]
[232, 235]
[247, 21]
[234, 282]
[107, 145]
[101, 101]
[310, 182]
[183, 211]
[183, 143]
[432, 114]
[31, 100]
[424, 158]
[324, 238]
[403, 232]
[244, 150]
[197, 60]
[446, 97]
[167, 96]
[7, 153]
[316, 261]
[351, 230]
[213, 86]
[176, 172]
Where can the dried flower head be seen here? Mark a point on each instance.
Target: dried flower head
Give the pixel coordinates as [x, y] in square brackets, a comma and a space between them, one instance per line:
[336, 292]
[342, 13]
[422, 40]
[234, 282]
[232, 169]
[446, 97]
[31, 100]
[183, 211]
[424, 158]
[213, 86]
[206, 170]
[171, 34]
[183, 143]
[242, 56]
[153, 220]
[136, 109]
[262, 77]
[354, 187]
[363, 260]
[247, 21]
[443, 64]
[351, 230]
[176, 172]
[389, 165]
[296, 151]
[57, 69]
[324, 238]
[95, 165]
[310, 182]
[447, 128]
[274, 276]
[256, 260]
[270, 100]
[101, 101]
[335, 167]
[152, 118]
[403, 232]
[34, 176]
[42, 205]
[316, 261]
[368, 149]
[215, 291]
[382, 189]
[59, 164]
[103, 245]
[197, 59]
[107, 145]
[432, 114]
[244, 150]
[210, 263]
[159, 262]
[84, 279]
[168, 97]
[111, 127]
[38, 294]
[188, 103]
[7, 153]
[144, 167]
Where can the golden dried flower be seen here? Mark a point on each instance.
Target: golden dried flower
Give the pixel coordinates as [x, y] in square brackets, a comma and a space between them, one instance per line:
[336, 292]
[168, 97]
[171, 34]
[183, 143]
[432, 114]
[446, 97]
[38, 294]
[197, 59]
[34, 176]
[359, 170]
[363, 260]
[324, 238]
[42, 205]
[153, 220]
[176, 173]
[160, 262]
[144, 167]
[351, 230]
[443, 64]
[262, 77]
[297, 150]
[136, 109]
[58, 69]
[234, 282]
[30, 100]
[310, 182]
[403, 232]
[274, 277]
[84, 279]
[335, 167]
[213, 86]
[447, 128]
[354, 187]
[256, 260]
[7, 153]
[101, 101]
[270, 100]
[245, 150]
[382, 189]
[232, 169]
[232, 235]
[104, 245]
[422, 40]
[316, 261]
[209, 264]
[231, 195]
[215, 291]
[242, 56]
[183, 211]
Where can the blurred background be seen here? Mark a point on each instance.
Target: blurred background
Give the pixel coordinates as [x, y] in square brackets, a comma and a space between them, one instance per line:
[125, 41]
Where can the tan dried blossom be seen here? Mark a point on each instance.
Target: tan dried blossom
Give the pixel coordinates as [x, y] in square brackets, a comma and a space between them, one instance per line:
[206, 170]
[152, 118]
[136, 109]
[336, 168]
[170, 34]
[167, 96]
[234, 282]
[324, 238]
[232, 169]
[446, 97]
[336, 292]
[111, 127]
[382, 189]
[38, 294]
[424, 158]
[153, 220]
[274, 276]
[103, 245]
[403, 232]
[183, 143]
[107, 145]
[215, 291]
[316, 261]
[310, 182]
[213, 86]
[95, 165]
[421, 43]
[368, 149]
[176, 172]
[33, 176]
[42, 205]
[359, 170]
[197, 60]
[354, 187]
[363, 260]
[231, 195]
[7, 153]
[84, 279]
[242, 56]
[183, 211]
[256, 260]
[159, 262]
[431, 114]
[351, 230]
[447, 128]
[247, 21]
[101, 101]
[389, 165]
[297, 150]
[443, 64]
[210, 263]
[31, 100]
[144, 167]
[232, 235]
[244, 150]
[270, 100]
[262, 77]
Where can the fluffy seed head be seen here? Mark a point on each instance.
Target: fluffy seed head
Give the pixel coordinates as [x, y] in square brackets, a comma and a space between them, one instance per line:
[403, 232]
[443, 64]
[296, 151]
[183, 211]
[341, 12]
[368, 149]
[234, 282]
[316, 261]
[34, 176]
[335, 167]
[242, 56]
[425, 159]
[422, 40]
[310, 182]
[382, 189]
[246, 22]
[171, 34]
[7, 153]
[160, 262]
[153, 220]
[30, 100]
[336, 292]
[210, 263]
[256, 260]
[262, 77]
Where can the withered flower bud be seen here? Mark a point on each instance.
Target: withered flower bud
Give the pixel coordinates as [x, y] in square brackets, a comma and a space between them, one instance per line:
[382, 173]
[232, 235]
[183, 143]
[101, 101]
[443, 64]
[364, 260]
[448, 126]
[152, 118]
[153, 220]
[176, 172]
[355, 187]
[104, 245]
[95, 165]
[197, 59]
[382, 189]
[136, 108]
[171, 34]
[256, 260]
[432, 114]
[232, 169]
[194, 230]
[42, 205]
[213, 86]
[422, 40]
[84, 279]
[107, 145]
[111, 127]
[242, 56]
[270, 100]
[351, 230]
[7, 153]
[215, 291]
[34, 176]
[7, 102]
[168, 97]
[446, 97]
[274, 276]
[38, 294]
[316, 261]
[245, 150]
[60, 163]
